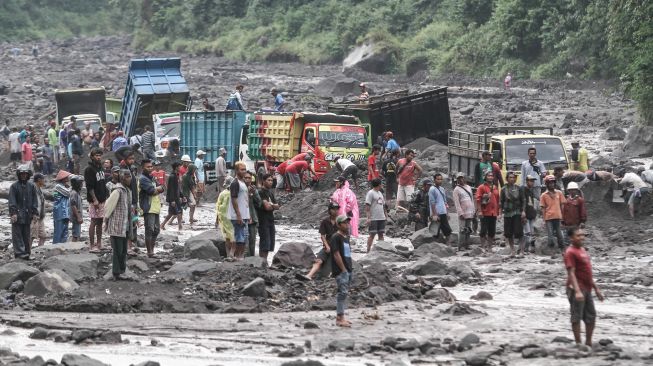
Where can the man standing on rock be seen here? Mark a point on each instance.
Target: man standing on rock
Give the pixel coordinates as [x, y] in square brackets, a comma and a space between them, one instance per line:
[376, 212]
[96, 195]
[487, 204]
[328, 227]
[266, 228]
[239, 208]
[463, 199]
[118, 222]
[533, 167]
[23, 209]
[407, 172]
[150, 203]
[579, 286]
[419, 206]
[513, 205]
[221, 168]
[552, 202]
[439, 207]
[342, 267]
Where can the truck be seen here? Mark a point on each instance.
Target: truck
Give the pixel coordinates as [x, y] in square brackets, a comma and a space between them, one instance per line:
[210, 131]
[154, 86]
[275, 137]
[167, 131]
[87, 105]
[408, 116]
[114, 108]
[509, 147]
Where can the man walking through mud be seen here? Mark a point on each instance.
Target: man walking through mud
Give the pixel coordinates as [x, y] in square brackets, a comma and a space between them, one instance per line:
[580, 284]
[419, 208]
[96, 195]
[342, 267]
[239, 209]
[376, 212]
[150, 203]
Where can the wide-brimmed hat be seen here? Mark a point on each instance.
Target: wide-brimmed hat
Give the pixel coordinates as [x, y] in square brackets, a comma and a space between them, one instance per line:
[186, 158]
[62, 175]
[200, 152]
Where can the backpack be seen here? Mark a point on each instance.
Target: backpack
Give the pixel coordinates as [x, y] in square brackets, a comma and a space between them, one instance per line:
[390, 168]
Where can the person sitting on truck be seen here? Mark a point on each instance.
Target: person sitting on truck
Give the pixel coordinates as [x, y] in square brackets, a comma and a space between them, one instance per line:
[295, 171]
[206, 106]
[347, 169]
[579, 157]
[485, 165]
[279, 102]
[372, 166]
[389, 170]
[364, 95]
[407, 171]
[235, 102]
[119, 141]
[533, 167]
[147, 143]
[418, 209]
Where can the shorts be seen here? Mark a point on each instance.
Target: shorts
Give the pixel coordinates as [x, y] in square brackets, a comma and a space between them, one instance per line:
[513, 227]
[241, 232]
[584, 310]
[294, 181]
[266, 233]
[96, 213]
[377, 227]
[488, 226]
[176, 210]
[405, 193]
[77, 229]
[191, 200]
[152, 226]
[200, 186]
[37, 229]
[279, 179]
[16, 156]
[323, 255]
[352, 171]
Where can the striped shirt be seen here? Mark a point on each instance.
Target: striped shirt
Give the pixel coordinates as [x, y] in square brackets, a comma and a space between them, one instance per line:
[148, 140]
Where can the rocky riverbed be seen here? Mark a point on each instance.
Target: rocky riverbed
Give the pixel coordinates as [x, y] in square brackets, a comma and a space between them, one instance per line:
[413, 301]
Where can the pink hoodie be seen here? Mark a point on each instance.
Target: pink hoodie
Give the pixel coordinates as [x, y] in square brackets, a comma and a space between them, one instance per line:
[346, 199]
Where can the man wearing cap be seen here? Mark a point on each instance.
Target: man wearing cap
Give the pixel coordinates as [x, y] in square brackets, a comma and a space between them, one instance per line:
[185, 162]
[199, 164]
[463, 199]
[418, 209]
[114, 180]
[279, 103]
[328, 227]
[364, 95]
[347, 169]
[221, 168]
[531, 198]
[38, 225]
[96, 195]
[439, 209]
[341, 268]
[23, 209]
[579, 157]
[486, 165]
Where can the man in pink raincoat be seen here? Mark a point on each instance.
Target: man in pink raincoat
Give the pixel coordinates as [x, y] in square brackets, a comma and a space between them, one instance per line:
[346, 199]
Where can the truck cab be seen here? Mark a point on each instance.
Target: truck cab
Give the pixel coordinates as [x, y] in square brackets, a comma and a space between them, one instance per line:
[509, 147]
[167, 131]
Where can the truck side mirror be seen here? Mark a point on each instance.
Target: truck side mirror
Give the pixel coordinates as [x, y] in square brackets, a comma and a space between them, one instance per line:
[496, 155]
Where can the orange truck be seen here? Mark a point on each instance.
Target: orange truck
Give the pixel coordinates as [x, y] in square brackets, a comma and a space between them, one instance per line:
[275, 137]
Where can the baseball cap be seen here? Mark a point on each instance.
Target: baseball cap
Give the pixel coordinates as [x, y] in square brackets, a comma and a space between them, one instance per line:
[115, 169]
[342, 218]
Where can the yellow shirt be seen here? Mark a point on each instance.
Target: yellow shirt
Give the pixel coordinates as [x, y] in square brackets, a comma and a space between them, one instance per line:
[583, 164]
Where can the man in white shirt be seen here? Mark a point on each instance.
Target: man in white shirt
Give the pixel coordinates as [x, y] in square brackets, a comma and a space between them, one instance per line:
[347, 168]
[15, 147]
[221, 168]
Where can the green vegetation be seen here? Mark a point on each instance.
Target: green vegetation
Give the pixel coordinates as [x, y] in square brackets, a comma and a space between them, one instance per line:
[531, 38]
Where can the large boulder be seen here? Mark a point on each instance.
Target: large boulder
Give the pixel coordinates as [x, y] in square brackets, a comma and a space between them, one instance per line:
[201, 249]
[59, 249]
[78, 266]
[213, 236]
[294, 254]
[615, 133]
[462, 270]
[80, 360]
[190, 269]
[50, 282]
[338, 86]
[437, 249]
[256, 288]
[416, 65]
[14, 271]
[430, 265]
[639, 141]
[381, 256]
[422, 236]
[369, 57]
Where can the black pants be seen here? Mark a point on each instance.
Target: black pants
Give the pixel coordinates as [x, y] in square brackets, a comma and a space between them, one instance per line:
[444, 225]
[251, 244]
[20, 239]
[119, 259]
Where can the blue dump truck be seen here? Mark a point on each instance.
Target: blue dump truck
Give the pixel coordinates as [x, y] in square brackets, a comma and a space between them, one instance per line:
[210, 131]
[154, 85]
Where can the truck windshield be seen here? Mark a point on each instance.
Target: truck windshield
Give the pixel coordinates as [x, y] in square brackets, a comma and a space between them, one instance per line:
[170, 129]
[342, 136]
[548, 150]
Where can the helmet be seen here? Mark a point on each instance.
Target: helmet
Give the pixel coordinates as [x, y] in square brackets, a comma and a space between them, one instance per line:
[186, 158]
[200, 152]
[24, 169]
[549, 178]
[572, 185]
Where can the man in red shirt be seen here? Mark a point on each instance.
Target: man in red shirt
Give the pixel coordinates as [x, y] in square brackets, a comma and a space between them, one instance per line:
[579, 286]
[574, 212]
[372, 167]
[487, 204]
[407, 171]
[294, 173]
[280, 174]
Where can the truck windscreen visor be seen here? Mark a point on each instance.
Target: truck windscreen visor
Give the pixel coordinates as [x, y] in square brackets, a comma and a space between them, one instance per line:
[548, 150]
[346, 139]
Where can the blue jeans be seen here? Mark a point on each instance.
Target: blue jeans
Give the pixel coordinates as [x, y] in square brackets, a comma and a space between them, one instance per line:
[77, 229]
[554, 230]
[343, 281]
[60, 231]
[241, 232]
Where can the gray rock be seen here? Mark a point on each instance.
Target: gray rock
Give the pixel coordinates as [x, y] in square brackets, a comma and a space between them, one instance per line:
[422, 236]
[468, 341]
[201, 248]
[466, 110]
[639, 141]
[214, 236]
[384, 246]
[461, 270]
[311, 325]
[128, 275]
[303, 363]
[51, 281]
[294, 254]
[390, 341]
[430, 265]
[437, 249]
[6, 352]
[39, 333]
[534, 352]
[294, 352]
[48, 251]
[256, 288]
[561, 339]
[256, 262]
[614, 133]
[190, 268]
[110, 336]
[399, 362]
[80, 360]
[149, 363]
[481, 296]
[448, 281]
[408, 345]
[341, 345]
[81, 335]
[441, 295]
[14, 271]
[381, 257]
[476, 360]
[368, 57]
[138, 264]
[338, 86]
[416, 64]
[605, 341]
[78, 266]
[17, 286]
